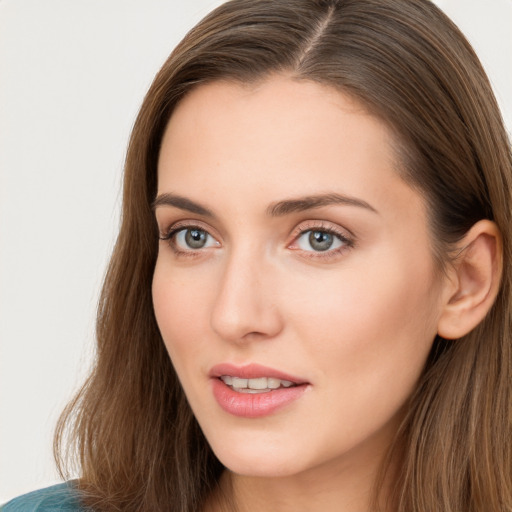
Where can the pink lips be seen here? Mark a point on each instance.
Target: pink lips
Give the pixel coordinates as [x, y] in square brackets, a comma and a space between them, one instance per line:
[254, 405]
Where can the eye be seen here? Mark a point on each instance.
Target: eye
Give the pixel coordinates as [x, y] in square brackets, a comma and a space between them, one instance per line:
[189, 239]
[316, 239]
[193, 238]
[319, 241]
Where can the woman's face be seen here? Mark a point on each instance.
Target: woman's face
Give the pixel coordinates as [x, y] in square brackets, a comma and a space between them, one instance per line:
[295, 260]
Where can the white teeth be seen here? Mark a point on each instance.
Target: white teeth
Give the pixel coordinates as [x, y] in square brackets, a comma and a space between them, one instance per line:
[260, 383]
[227, 379]
[255, 385]
[239, 383]
[273, 383]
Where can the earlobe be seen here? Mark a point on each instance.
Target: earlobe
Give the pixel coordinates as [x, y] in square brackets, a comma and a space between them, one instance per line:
[475, 281]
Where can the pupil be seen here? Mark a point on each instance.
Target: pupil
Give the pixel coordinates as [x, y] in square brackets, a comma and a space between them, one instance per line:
[195, 238]
[320, 240]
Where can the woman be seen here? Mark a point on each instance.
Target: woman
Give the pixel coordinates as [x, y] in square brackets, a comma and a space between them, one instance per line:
[307, 306]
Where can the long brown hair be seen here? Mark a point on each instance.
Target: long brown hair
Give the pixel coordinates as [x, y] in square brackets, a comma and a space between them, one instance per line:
[130, 428]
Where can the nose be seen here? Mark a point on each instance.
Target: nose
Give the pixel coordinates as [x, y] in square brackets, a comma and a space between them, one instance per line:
[246, 303]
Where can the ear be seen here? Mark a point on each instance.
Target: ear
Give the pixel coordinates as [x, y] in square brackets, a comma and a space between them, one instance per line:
[473, 280]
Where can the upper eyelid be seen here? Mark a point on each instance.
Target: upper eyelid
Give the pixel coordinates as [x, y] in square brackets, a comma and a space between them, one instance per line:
[186, 224]
[322, 225]
[346, 241]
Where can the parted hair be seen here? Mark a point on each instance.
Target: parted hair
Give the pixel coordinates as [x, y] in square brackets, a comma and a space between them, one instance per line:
[130, 431]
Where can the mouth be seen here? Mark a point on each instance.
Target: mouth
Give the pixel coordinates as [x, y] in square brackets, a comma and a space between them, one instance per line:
[253, 390]
[257, 385]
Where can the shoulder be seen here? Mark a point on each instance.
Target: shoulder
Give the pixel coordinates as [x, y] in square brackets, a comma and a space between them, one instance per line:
[58, 498]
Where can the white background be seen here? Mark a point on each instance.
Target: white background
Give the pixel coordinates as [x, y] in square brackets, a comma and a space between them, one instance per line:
[72, 76]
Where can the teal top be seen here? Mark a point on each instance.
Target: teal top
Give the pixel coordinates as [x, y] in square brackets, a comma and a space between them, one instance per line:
[58, 498]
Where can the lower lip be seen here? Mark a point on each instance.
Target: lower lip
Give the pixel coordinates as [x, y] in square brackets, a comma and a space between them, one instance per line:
[254, 405]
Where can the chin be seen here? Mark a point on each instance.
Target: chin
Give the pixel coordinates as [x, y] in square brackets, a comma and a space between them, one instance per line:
[253, 459]
[269, 469]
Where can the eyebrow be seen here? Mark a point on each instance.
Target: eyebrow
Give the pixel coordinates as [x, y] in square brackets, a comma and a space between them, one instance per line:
[316, 201]
[182, 203]
[277, 209]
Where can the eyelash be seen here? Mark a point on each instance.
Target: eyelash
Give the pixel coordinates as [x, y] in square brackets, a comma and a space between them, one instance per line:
[348, 242]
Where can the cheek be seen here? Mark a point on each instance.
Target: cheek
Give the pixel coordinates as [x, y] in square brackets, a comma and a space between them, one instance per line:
[369, 324]
[178, 303]
[366, 337]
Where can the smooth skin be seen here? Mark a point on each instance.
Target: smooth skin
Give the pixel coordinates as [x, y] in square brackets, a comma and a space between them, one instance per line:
[341, 291]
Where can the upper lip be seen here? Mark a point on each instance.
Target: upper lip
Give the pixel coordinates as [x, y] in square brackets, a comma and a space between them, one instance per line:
[252, 371]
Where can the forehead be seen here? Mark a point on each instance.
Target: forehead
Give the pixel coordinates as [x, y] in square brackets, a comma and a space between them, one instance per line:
[279, 126]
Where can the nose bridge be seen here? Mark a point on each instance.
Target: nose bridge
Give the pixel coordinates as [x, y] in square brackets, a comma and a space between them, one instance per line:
[246, 301]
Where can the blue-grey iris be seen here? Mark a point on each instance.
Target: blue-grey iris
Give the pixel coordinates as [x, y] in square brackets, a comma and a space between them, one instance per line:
[195, 238]
[320, 240]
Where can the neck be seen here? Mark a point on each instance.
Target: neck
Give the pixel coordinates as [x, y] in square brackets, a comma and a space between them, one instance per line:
[332, 487]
